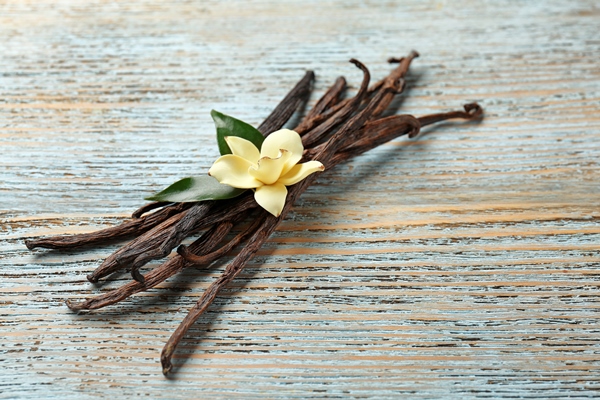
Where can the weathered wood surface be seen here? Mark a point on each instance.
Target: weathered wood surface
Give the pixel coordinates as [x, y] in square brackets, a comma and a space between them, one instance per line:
[463, 264]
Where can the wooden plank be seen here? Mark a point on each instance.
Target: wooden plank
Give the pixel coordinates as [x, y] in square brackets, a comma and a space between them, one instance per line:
[463, 264]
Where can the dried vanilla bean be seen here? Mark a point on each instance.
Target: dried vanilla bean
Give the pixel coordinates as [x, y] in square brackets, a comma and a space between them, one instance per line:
[127, 228]
[333, 131]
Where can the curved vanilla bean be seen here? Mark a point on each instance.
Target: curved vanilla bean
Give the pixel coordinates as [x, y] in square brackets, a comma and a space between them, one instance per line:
[392, 80]
[125, 229]
[203, 245]
[382, 93]
[383, 131]
[472, 111]
[325, 127]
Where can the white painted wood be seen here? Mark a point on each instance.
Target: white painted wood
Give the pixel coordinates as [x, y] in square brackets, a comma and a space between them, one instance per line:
[461, 265]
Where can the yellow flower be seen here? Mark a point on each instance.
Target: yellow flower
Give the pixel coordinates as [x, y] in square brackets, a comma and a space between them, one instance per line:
[267, 171]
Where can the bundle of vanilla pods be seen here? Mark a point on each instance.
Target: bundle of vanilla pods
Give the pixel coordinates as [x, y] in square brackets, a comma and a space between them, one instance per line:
[334, 130]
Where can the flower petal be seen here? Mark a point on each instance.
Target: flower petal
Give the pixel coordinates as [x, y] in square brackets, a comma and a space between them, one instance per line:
[283, 139]
[232, 170]
[300, 171]
[243, 148]
[271, 197]
[269, 169]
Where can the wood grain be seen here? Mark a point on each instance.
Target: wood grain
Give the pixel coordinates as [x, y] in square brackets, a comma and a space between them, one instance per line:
[463, 264]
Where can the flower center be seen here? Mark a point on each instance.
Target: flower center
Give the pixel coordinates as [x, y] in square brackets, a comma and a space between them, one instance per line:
[268, 170]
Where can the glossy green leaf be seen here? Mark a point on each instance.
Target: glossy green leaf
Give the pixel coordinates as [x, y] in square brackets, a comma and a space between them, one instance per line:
[229, 126]
[196, 188]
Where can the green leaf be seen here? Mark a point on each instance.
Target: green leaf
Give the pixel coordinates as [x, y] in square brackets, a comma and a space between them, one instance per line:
[229, 126]
[196, 188]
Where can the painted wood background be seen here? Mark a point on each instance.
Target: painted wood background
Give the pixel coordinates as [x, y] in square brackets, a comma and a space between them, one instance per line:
[464, 264]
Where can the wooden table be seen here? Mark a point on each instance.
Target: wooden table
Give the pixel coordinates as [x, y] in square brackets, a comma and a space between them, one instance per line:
[464, 264]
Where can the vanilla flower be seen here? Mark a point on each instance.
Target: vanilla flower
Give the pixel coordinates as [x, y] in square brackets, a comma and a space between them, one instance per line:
[268, 171]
